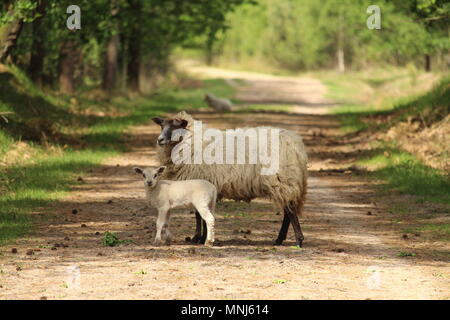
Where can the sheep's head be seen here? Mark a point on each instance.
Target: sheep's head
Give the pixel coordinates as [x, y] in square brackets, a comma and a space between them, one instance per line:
[171, 130]
[151, 176]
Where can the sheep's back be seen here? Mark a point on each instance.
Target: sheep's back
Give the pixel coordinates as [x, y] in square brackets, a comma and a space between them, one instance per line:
[245, 181]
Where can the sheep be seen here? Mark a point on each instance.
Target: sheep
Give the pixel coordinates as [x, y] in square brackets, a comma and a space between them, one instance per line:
[218, 104]
[165, 195]
[286, 188]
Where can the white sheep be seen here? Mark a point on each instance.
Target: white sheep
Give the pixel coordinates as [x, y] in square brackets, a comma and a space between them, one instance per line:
[218, 104]
[286, 188]
[165, 195]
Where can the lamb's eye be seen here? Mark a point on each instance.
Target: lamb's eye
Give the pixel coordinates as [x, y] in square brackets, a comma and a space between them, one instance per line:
[144, 176]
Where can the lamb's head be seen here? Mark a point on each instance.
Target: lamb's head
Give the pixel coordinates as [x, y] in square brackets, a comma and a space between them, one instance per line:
[171, 130]
[151, 176]
[209, 97]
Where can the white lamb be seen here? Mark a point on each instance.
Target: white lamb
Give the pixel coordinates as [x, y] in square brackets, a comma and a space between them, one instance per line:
[218, 104]
[165, 195]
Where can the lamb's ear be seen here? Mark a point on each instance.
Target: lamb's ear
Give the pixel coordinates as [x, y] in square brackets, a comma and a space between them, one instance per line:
[180, 123]
[160, 170]
[138, 170]
[157, 120]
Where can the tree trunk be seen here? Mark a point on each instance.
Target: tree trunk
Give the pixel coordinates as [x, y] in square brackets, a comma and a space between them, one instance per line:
[340, 45]
[427, 63]
[37, 48]
[67, 61]
[134, 47]
[210, 47]
[341, 60]
[9, 35]
[112, 52]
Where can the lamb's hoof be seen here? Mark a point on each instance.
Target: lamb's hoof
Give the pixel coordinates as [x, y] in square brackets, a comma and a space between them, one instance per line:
[157, 243]
[209, 243]
[188, 240]
[299, 243]
[279, 242]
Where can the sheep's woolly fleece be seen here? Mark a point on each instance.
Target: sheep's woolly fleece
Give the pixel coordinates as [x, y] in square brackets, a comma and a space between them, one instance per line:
[244, 181]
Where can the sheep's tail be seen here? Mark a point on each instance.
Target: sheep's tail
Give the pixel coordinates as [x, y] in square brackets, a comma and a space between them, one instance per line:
[300, 201]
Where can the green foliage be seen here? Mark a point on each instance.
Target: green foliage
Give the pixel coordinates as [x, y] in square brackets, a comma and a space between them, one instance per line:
[403, 254]
[306, 34]
[110, 239]
[20, 10]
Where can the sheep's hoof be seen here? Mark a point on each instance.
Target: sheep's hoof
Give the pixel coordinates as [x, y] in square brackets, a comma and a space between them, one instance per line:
[157, 243]
[196, 239]
[278, 242]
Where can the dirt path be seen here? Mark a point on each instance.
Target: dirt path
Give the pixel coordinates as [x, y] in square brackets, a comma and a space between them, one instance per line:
[350, 250]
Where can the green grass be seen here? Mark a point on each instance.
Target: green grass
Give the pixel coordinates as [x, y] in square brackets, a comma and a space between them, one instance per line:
[399, 172]
[77, 141]
[354, 113]
[405, 174]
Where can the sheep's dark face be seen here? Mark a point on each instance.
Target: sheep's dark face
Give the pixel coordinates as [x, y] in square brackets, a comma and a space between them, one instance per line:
[151, 176]
[168, 127]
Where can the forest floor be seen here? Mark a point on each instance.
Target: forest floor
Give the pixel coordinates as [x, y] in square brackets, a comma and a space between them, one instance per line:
[353, 249]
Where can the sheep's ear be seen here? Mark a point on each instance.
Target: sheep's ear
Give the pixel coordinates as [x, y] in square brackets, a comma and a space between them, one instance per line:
[157, 120]
[138, 170]
[161, 169]
[180, 123]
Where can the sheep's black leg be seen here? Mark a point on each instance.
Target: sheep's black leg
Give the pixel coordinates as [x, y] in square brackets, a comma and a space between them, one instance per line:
[284, 229]
[204, 234]
[295, 224]
[198, 228]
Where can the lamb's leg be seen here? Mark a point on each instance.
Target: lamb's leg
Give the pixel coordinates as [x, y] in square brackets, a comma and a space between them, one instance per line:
[197, 238]
[295, 224]
[161, 223]
[283, 230]
[166, 231]
[209, 220]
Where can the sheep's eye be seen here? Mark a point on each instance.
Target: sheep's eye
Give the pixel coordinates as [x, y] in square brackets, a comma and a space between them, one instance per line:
[154, 176]
[144, 175]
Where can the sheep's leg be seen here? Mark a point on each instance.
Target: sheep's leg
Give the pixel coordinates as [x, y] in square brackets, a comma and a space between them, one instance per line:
[209, 219]
[295, 224]
[204, 233]
[283, 230]
[197, 238]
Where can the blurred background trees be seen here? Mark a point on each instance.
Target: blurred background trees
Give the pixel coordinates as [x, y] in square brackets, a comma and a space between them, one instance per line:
[120, 41]
[128, 44]
[307, 34]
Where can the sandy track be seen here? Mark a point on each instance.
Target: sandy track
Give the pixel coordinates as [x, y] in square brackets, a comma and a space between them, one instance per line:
[347, 252]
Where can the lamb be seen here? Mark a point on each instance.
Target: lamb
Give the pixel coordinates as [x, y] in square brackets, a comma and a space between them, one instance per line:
[165, 195]
[286, 188]
[218, 104]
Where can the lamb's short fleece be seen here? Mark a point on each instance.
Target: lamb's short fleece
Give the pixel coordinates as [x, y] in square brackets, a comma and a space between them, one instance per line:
[165, 195]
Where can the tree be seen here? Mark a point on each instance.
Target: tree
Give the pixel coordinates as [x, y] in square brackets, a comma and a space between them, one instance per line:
[38, 49]
[112, 51]
[11, 24]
